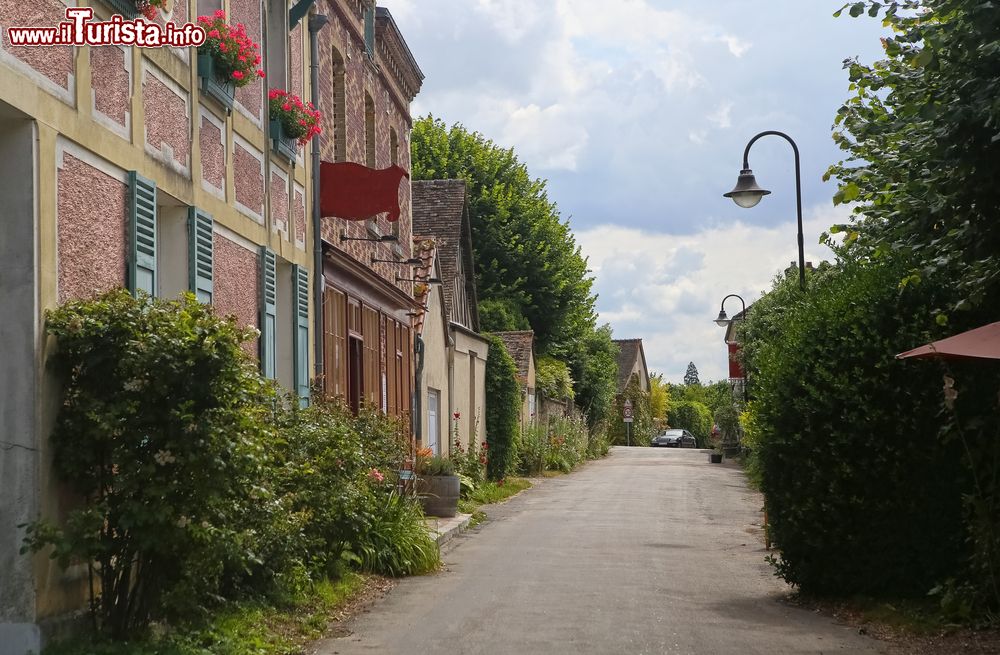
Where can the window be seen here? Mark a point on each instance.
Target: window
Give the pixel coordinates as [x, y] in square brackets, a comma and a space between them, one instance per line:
[208, 7]
[369, 16]
[339, 113]
[172, 248]
[370, 160]
[277, 44]
[433, 427]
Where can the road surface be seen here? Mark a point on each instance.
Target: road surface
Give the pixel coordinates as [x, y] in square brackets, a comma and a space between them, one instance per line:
[648, 551]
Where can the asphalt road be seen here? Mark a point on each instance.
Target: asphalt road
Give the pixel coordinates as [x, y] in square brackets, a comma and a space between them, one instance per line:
[647, 551]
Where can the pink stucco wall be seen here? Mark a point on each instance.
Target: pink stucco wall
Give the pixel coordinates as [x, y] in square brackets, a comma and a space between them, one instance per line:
[110, 80]
[54, 62]
[299, 210]
[235, 284]
[167, 120]
[248, 12]
[213, 154]
[248, 179]
[296, 83]
[279, 202]
[91, 208]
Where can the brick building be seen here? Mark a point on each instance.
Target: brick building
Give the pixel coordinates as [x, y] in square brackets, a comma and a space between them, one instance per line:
[124, 167]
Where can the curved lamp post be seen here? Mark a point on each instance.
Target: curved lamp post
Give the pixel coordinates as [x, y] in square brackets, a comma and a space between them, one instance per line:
[723, 320]
[747, 193]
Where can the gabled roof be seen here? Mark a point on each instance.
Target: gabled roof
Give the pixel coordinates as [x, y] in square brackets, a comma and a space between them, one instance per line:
[630, 350]
[521, 347]
[441, 212]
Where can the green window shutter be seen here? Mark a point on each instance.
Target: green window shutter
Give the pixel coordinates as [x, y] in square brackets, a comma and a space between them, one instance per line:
[142, 234]
[200, 258]
[300, 316]
[268, 312]
[370, 30]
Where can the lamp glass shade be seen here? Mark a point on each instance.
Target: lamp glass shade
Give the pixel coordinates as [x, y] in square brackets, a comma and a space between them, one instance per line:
[747, 192]
[723, 319]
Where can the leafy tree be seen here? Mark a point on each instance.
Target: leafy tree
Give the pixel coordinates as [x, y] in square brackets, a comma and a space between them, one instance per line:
[694, 417]
[922, 136]
[501, 315]
[691, 376]
[553, 379]
[525, 254]
[659, 397]
[594, 365]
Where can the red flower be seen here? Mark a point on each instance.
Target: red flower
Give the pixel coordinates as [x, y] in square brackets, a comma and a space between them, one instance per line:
[287, 106]
[260, 73]
[219, 13]
[237, 75]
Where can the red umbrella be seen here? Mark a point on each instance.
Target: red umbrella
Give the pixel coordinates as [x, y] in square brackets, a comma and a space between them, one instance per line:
[981, 343]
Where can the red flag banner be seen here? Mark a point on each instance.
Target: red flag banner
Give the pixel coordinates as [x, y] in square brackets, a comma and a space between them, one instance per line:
[357, 193]
[735, 366]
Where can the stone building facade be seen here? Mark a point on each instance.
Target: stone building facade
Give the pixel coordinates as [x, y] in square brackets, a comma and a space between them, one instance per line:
[119, 169]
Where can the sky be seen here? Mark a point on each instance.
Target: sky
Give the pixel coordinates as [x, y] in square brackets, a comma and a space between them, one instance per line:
[637, 113]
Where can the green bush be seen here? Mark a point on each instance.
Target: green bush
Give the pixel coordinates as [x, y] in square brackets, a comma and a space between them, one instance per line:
[503, 410]
[197, 482]
[692, 416]
[161, 435]
[532, 449]
[862, 496]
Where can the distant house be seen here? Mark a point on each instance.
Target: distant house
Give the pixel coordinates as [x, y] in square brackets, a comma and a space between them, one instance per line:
[441, 214]
[737, 376]
[432, 391]
[521, 346]
[631, 361]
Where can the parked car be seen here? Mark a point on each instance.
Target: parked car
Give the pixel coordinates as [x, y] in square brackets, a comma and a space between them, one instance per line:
[675, 439]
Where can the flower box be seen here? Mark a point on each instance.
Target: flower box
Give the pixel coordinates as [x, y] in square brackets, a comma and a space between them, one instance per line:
[126, 8]
[213, 83]
[281, 143]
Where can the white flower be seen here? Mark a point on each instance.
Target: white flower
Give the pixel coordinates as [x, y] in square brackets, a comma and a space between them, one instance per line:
[183, 522]
[134, 385]
[164, 457]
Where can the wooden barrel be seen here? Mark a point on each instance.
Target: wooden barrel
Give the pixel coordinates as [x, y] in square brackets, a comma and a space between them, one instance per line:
[439, 494]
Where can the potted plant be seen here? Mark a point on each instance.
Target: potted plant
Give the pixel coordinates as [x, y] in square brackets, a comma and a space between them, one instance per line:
[438, 487]
[227, 59]
[291, 121]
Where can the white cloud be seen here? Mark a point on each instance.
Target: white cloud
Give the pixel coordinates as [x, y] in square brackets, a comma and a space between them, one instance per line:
[666, 288]
[720, 117]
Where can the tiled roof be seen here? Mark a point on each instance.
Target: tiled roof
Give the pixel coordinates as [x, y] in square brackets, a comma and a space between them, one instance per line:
[520, 346]
[630, 351]
[439, 212]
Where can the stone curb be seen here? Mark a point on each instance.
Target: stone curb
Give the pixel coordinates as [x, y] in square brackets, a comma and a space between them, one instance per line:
[445, 529]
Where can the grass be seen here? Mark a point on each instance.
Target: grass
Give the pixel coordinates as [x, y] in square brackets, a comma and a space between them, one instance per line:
[488, 493]
[239, 629]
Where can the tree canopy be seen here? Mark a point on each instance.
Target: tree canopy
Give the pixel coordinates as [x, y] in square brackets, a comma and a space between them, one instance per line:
[527, 261]
[922, 136]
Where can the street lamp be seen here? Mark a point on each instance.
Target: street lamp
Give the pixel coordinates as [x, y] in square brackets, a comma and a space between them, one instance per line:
[747, 193]
[723, 320]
